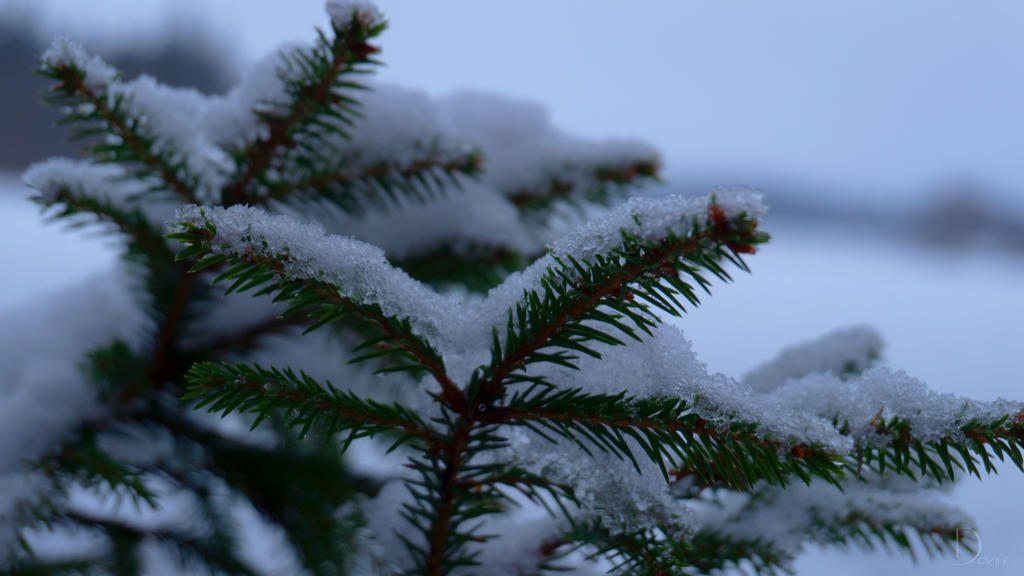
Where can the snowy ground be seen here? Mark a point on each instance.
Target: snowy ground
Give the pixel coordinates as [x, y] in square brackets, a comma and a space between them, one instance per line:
[953, 319]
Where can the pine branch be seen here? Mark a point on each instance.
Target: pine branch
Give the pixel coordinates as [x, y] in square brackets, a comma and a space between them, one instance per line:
[304, 403]
[600, 184]
[453, 493]
[534, 487]
[666, 431]
[864, 515]
[709, 552]
[146, 246]
[191, 546]
[973, 446]
[81, 461]
[315, 82]
[667, 549]
[299, 486]
[354, 187]
[91, 110]
[624, 284]
[861, 529]
[444, 537]
[320, 300]
[39, 567]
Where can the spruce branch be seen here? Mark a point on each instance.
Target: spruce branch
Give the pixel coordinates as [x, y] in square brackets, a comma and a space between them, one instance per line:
[638, 552]
[863, 530]
[971, 447]
[617, 289]
[81, 461]
[865, 515]
[146, 246]
[599, 184]
[321, 301]
[38, 567]
[455, 492]
[354, 186]
[299, 486]
[441, 506]
[304, 403]
[73, 189]
[706, 552]
[127, 537]
[90, 109]
[316, 82]
[145, 237]
[669, 432]
[667, 548]
[445, 539]
[534, 487]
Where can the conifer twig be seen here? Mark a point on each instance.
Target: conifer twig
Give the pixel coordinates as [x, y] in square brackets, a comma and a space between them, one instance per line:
[349, 48]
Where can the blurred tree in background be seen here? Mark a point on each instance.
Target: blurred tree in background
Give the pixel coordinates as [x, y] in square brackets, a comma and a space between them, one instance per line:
[186, 57]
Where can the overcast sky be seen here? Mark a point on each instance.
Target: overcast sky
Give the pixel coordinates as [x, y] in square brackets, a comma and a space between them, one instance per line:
[873, 98]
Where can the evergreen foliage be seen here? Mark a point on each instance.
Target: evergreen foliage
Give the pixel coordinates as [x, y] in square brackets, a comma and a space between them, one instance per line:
[487, 409]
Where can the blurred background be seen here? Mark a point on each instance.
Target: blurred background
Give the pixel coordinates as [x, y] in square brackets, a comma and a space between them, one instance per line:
[887, 137]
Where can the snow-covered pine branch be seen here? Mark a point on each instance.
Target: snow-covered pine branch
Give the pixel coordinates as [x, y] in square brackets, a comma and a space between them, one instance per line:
[550, 422]
[597, 289]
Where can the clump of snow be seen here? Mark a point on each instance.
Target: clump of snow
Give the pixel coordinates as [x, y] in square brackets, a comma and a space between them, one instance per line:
[841, 352]
[63, 52]
[386, 528]
[656, 218]
[106, 183]
[398, 120]
[173, 118]
[880, 394]
[523, 150]
[664, 365]
[737, 200]
[232, 120]
[518, 539]
[473, 216]
[624, 496]
[359, 269]
[343, 13]
[264, 545]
